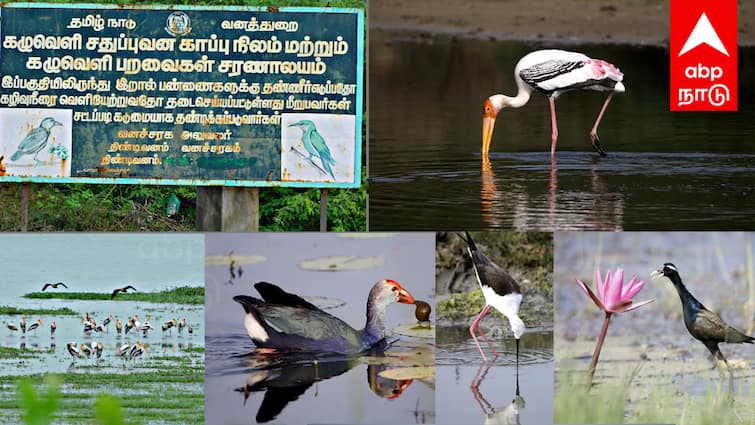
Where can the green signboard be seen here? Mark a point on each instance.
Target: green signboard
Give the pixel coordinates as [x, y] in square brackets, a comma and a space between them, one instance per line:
[181, 95]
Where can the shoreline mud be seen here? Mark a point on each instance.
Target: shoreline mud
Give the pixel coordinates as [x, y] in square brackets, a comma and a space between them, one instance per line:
[637, 22]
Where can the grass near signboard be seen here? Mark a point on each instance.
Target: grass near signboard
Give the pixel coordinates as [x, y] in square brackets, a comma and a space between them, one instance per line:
[78, 207]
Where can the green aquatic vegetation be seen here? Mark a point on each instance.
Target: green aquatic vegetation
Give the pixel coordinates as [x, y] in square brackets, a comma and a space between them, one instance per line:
[14, 353]
[73, 397]
[576, 402]
[515, 250]
[179, 295]
[460, 307]
[643, 400]
[167, 358]
[65, 311]
[86, 380]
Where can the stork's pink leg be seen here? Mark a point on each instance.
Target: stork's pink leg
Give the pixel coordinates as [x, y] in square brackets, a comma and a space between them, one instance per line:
[594, 132]
[474, 325]
[554, 125]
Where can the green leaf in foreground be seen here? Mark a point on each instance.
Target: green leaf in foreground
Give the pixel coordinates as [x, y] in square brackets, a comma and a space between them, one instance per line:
[38, 409]
[109, 411]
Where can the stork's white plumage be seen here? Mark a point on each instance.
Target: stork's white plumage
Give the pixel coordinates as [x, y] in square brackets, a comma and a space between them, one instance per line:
[553, 72]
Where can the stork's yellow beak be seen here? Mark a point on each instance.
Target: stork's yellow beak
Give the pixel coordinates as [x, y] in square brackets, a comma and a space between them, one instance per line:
[488, 123]
[487, 134]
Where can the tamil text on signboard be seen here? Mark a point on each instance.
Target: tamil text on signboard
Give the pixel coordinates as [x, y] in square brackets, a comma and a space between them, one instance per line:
[206, 96]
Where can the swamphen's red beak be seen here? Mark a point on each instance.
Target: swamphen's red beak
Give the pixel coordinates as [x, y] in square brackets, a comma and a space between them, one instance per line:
[403, 295]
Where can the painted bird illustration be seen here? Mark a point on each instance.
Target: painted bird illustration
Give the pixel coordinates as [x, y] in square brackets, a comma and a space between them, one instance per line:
[36, 140]
[315, 145]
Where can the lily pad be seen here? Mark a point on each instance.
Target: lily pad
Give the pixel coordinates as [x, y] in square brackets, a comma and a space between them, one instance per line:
[406, 354]
[416, 330]
[325, 303]
[224, 260]
[424, 372]
[333, 264]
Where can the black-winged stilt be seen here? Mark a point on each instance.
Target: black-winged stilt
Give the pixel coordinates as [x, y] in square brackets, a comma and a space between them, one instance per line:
[500, 291]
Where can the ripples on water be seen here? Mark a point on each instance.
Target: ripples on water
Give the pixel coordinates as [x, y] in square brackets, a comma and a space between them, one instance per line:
[299, 387]
[471, 391]
[456, 347]
[528, 191]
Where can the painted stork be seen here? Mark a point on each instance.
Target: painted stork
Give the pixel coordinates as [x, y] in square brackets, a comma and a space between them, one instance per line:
[35, 325]
[553, 72]
[72, 350]
[123, 350]
[85, 349]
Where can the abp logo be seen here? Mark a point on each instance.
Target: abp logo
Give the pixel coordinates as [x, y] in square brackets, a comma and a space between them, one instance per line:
[703, 43]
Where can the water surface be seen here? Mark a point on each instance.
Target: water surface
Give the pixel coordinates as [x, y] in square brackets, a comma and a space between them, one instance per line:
[662, 171]
[470, 391]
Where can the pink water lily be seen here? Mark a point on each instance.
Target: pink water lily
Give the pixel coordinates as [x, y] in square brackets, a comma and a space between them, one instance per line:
[615, 296]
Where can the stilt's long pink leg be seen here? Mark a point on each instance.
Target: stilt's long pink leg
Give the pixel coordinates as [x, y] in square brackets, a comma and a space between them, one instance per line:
[554, 125]
[474, 325]
[594, 132]
[487, 340]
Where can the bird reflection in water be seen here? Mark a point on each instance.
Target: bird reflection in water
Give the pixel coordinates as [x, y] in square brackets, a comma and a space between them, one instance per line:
[591, 206]
[506, 415]
[489, 196]
[553, 186]
[608, 210]
[284, 377]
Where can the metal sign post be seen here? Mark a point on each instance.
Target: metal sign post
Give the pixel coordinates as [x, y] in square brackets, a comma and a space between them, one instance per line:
[25, 207]
[323, 210]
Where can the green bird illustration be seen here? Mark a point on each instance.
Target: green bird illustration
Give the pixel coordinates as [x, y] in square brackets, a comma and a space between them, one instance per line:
[36, 140]
[315, 145]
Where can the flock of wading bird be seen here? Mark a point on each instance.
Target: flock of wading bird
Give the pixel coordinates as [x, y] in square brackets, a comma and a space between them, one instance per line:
[94, 349]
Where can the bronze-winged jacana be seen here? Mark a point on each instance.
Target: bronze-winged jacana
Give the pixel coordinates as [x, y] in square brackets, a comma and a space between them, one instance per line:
[703, 324]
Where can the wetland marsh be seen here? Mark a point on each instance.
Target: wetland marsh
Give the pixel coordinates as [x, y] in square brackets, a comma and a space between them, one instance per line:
[163, 385]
